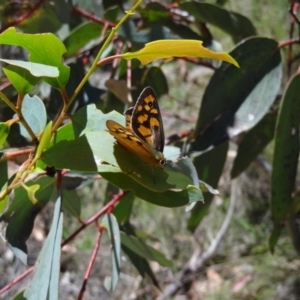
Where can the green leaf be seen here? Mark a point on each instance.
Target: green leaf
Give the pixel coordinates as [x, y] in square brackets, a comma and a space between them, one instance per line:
[254, 141]
[238, 26]
[19, 296]
[20, 78]
[140, 248]
[155, 77]
[34, 112]
[223, 98]
[31, 190]
[176, 48]
[156, 13]
[110, 223]
[71, 203]
[44, 141]
[45, 49]
[35, 69]
[140, 263]
[81, 35]
[3, 171]
[4, 131]
[258, 102]
[169, 198]
[122, 210]
[275, 234]
[89, 118]
[45, 282]
[21, 214]
[65, 132]
[209, 166]
[75, 180]
[3, 182]
[207, 188]
[74, 155]
[286, 153]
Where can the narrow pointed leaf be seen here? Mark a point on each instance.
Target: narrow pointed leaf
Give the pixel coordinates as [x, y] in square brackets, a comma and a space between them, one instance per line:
[286, 153]
[139, 247]
[45, 281]
[209, 166]
[222, 98]
[111, 224]
[82, 35]
[254, 141]
[176, 48]
[235, 24]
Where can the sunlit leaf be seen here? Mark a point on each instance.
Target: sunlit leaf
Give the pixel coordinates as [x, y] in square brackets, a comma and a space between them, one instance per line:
[44, 48]
[176, 48]
[34, 112]
[4, 131]
[31, 190]
[36, 69]
[45, 140]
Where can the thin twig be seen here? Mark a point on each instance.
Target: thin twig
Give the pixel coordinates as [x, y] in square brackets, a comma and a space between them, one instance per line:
[91, 263]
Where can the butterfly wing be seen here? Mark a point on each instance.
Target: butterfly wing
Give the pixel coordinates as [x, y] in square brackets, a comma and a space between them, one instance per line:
[146, 120]
[128, 115]
[129, 141]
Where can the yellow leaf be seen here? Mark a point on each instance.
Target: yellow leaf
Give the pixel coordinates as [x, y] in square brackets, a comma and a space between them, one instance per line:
[31, 192]
[177, 48]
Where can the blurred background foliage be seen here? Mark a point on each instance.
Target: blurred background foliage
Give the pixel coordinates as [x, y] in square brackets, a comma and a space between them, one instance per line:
[239, 126]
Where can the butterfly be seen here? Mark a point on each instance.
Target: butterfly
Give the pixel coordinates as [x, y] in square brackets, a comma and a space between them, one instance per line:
[143, 133]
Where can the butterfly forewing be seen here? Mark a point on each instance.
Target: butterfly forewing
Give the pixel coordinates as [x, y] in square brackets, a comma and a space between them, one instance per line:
[128, 116]
[128, 140]
[146, 120]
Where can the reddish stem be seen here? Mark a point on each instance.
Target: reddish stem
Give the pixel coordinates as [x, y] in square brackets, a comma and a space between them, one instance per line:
[12, 283]
[91, 17]
[104, 210]
[289, 42]
[12, 154]
[91, 263]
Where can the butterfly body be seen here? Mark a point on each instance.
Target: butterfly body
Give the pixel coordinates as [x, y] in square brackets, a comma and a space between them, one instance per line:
[143, 134]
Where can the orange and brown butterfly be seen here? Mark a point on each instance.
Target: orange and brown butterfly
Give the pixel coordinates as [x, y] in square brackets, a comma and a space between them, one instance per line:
[144, 133]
